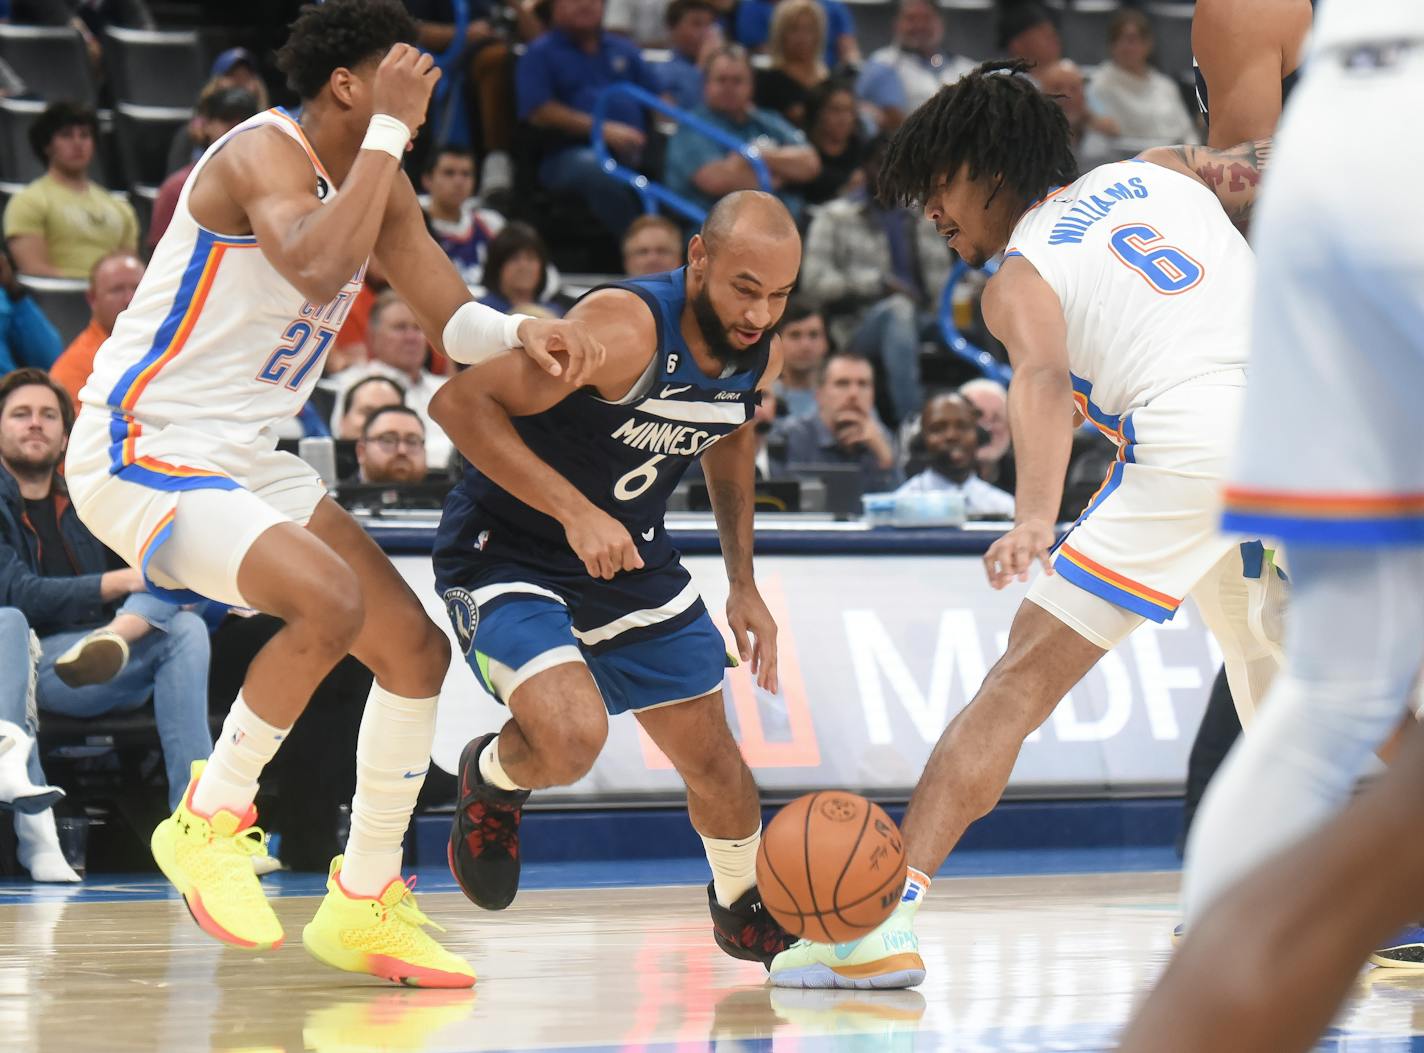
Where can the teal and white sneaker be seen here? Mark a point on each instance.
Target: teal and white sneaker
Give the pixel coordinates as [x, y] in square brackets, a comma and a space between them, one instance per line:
[888, 957]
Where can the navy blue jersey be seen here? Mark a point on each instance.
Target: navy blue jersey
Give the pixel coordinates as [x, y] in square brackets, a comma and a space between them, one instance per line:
[625, 456]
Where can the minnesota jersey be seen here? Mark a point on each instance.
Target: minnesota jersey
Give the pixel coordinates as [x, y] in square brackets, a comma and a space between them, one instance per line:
[215, 338]
[1154, 280]
[625, 456]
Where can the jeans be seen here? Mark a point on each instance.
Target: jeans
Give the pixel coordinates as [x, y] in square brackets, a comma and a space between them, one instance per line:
[170, 664]
[890, 334]
[576, 169]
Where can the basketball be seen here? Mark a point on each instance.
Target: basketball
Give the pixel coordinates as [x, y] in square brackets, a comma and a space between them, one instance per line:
[831, 866]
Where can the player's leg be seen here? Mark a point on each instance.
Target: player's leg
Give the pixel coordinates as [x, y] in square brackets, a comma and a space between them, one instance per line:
[1268, 964]
[1242, 601]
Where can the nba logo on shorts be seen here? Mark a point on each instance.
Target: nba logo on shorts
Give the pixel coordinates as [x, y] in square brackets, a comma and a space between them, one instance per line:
[482, 540]
[464, 616]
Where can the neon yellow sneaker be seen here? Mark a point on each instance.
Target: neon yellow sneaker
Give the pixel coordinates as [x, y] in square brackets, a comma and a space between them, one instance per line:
[209, 860]
[382, 936]
[888, 957]
[391, 1022]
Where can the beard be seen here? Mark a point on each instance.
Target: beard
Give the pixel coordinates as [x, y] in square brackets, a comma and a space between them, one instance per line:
[714, 331]
[43, 464]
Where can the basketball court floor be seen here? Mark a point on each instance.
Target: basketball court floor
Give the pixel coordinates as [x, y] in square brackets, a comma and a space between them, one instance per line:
[1042, 954]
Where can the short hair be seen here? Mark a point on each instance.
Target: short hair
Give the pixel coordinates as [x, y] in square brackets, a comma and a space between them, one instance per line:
[234, 105]
[798, 309]
[375, 378]
[727, 51]
[117, 254]
[680, 9]
[993, 387]
[647, 222]
[950, 394]
[782, 16]
[1016, 18]
[385, 300]
[819, 97]
[400, 408]
[327, 36]
[992, 120]
[1125, 19]
[845, 355]
[447, 150]
[515, 238]
[723, 216]
[28, 376]
[58, 117]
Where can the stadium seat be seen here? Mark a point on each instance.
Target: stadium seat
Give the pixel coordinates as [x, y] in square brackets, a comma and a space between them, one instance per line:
[971, 28]
[50, 62]
[154, 68]
[874, 23]
[143, 135]
[1172, 26]
[63, 302]
[18, 164]
[1085, 30]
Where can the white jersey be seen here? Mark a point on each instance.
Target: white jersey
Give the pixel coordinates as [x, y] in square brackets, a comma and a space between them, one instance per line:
[1154, 280]
[1339, 23]
[215, 338]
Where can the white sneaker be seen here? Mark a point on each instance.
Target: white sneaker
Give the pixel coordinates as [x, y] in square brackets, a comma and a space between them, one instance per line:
[95, 659]
[496, 173]
[40, 853]
[16, 790]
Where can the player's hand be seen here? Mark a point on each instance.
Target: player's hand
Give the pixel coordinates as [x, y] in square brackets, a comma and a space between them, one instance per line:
[747, 615]
[404, 81]
[541, 337]
[602, 543]
[1013, 554]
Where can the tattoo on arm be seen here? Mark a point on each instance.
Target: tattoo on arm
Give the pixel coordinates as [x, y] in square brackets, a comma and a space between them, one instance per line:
[1232, 174]
[728, 506]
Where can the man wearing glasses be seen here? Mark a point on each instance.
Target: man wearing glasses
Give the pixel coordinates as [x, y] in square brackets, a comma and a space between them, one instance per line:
[392, 447]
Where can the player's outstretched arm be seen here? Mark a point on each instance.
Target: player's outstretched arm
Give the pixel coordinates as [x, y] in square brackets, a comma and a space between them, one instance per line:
[1233, 175]
[1023, 311]
[465, 331]
[729, 467]
[1244, 48]
[476, 410]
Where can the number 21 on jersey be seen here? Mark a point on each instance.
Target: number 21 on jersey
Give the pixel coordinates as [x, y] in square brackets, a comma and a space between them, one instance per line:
[1166, 268]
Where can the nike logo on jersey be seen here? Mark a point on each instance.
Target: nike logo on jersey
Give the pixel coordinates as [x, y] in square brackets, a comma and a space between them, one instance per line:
[648, 534]
[670, 390]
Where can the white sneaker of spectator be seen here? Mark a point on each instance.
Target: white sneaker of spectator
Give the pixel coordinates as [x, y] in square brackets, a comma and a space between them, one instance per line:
[40, 853]
[16, 790]
[95, 659]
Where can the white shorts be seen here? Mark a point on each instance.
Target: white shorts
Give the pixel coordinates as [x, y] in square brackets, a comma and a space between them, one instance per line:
[182, 504]
[1151, 533]
[1332, 438]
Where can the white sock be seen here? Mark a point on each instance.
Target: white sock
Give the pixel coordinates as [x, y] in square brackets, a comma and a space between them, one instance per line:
[917, 883]
[246, 744]
[733, 865]
[492, 771]
[392, 756]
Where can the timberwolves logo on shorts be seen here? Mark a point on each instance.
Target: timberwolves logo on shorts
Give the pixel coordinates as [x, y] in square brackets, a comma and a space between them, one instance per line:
[464, 616]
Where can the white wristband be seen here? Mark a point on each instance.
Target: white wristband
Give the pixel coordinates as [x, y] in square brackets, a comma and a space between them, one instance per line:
[386, 133]
[476, 332]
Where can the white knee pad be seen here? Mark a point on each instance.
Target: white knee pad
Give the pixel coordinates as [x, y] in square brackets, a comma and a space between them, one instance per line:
[1243, 600]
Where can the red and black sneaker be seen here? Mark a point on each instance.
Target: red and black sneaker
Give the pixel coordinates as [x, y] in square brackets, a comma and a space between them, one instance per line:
[746, 929]
[484, 838]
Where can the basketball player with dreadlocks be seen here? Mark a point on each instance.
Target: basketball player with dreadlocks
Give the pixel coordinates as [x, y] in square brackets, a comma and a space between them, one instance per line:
[1124, 295]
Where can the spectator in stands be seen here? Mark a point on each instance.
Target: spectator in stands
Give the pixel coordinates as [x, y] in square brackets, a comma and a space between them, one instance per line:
[644, 22]
[218, 113]
[62, 224]
[949, 432]
[991, 399]
[398, 352]
[392, 447]
[112, 284]
[487, 64]
[877, 272]
[1027, 31]
[54, 573]
[804, 347]
[234, 68]
[364, 398]
[751, 27]
[691, 30]
[557, 82]
[844, 430]
[703, 171]
[833, 127]
[517, 271]
[898, 78]
[1145, 103]
[462, 227]
[651, 245]
[796, 46]
[1091, 134]
[27, 337]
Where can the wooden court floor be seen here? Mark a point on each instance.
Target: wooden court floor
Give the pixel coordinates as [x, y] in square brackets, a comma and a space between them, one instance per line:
[1025, 963]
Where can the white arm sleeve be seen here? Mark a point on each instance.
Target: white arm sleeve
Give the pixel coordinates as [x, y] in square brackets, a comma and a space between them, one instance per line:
[476, 332]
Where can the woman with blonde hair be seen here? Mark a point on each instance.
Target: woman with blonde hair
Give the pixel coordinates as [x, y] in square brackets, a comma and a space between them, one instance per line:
[797, 45]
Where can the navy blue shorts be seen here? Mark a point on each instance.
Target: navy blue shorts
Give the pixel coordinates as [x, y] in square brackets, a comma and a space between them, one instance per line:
[646, 635]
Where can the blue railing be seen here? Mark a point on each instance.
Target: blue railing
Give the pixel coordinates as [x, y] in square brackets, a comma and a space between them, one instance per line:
[956, 341]
[654, 194]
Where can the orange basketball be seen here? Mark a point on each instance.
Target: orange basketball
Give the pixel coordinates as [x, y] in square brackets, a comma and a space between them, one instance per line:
[831, 866]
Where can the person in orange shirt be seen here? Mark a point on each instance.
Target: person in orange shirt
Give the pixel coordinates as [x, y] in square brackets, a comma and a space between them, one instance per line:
[111, 286]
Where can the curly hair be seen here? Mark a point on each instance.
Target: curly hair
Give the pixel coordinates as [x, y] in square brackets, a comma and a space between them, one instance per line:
[58, 117]
[327, 36]
[993, 120]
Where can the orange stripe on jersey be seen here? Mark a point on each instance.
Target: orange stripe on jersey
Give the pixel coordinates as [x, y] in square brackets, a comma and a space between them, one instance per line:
[148, 542]
[1124, 583]
[305, 143]
[1326, 505]
[185, 327]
